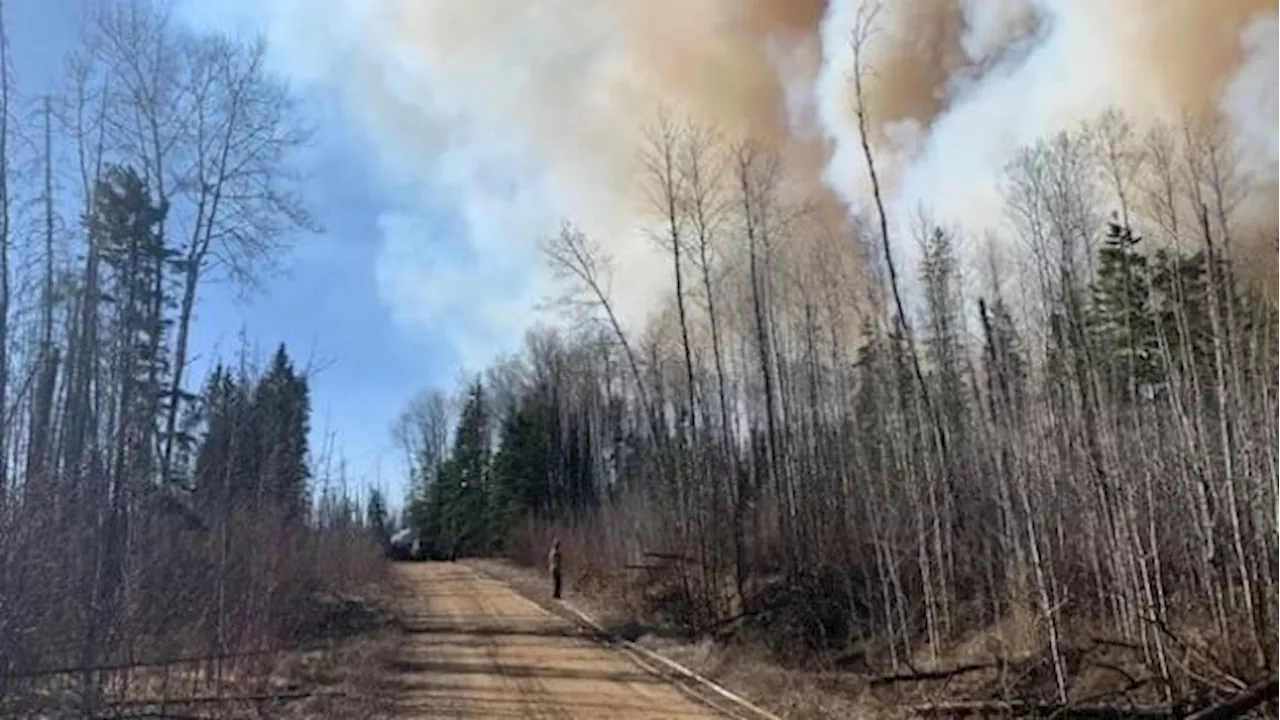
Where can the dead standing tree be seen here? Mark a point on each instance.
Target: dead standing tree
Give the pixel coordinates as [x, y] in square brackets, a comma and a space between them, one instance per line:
[758, 177]
[919, 402]
[575, 258]
[6, 291]
[704, 171]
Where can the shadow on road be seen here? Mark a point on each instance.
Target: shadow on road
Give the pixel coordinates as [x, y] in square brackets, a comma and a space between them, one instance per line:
[518, 670]
[475, 648]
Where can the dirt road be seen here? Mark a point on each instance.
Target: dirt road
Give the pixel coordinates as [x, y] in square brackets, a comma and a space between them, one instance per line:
[477, 649]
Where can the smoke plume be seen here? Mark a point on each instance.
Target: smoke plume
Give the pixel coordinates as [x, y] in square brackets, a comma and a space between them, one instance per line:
[529, 111]
[956, 88]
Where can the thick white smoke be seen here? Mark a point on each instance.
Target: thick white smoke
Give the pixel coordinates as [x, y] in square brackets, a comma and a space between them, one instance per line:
[1250, 101]
[1023, 70]
[514, 114]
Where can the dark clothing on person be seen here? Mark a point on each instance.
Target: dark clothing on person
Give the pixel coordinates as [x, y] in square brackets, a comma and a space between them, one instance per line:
[553, 561]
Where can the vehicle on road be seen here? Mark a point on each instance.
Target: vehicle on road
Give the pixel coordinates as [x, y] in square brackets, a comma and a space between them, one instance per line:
[405, 546]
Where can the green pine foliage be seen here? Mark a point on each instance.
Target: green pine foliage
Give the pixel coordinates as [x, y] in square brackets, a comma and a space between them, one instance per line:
[1152, 316]
[253, 452]
[536, 458]
[1120, 318]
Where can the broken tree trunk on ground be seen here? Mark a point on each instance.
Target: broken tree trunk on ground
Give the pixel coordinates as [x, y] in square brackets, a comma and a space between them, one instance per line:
[1000, 708]
[1238, 705]
[1233, 707]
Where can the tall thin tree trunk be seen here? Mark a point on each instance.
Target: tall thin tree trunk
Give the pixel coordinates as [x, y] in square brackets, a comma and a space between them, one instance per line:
[752, 218]
[5, 270]
[42, 407]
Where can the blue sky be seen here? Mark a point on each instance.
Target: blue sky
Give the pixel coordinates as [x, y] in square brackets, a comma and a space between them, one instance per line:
[330, 305]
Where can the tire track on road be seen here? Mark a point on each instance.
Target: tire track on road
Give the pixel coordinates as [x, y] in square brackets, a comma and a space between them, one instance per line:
[478, 649]
[528, 687]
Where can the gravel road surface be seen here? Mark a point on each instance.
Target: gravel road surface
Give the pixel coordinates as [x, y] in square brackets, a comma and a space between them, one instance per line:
[477, 649]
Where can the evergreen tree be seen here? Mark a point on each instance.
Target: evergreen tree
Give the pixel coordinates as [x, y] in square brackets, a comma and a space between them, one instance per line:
[377, 518]
[253, 452]
[1003, 361]
[578, 487]
[126, 228]
[448, 507]
[464, 479]
[543, 465]
[426, 512]
[520, 472]
[282, 418]
[128, 231]
[1120, 317]
[940, 278]
[218, 463]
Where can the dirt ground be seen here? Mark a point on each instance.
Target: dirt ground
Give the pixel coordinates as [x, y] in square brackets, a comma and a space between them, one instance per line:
[475, 648]
[744, 670]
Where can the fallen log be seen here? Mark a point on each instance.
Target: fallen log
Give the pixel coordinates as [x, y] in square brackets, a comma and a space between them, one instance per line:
[670, 557]
[228, 699]
[999, 708]
[941, 674]
[140, 664]
[1240, 704]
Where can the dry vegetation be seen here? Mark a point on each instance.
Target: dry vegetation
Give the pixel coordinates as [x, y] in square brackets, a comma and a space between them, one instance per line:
[1048, 489]
[250, 617]
[163, 550]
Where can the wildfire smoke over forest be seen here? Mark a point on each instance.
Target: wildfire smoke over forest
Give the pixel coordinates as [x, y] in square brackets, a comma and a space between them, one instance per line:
[543, 104]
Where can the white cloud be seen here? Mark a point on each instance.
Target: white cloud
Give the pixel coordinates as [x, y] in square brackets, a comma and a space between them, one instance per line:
[457, 260]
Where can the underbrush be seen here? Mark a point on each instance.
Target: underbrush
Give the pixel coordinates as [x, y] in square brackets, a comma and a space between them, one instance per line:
[264, 616]
[810, 645]
[334, 668]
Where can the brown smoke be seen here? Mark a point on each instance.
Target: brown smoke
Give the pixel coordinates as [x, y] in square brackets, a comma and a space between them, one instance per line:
[575, 81]
[1181, 52]
[592, 75]
[954, 87]
[1189, 47]
[730, 63]
[908, 78]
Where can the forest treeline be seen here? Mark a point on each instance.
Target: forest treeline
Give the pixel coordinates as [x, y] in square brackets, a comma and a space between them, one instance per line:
[1068, 426]
[148, 514]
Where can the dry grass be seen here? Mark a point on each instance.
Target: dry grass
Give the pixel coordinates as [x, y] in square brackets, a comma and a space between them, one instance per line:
[741, 669]
[1100, 670]
[335, 669]
[346, 665]
[341, 681]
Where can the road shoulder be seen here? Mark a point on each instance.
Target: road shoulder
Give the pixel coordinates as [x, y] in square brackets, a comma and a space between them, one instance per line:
[691, 668]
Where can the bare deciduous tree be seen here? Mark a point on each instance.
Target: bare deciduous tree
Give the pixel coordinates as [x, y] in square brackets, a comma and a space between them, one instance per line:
[141, 523]
[218, 137]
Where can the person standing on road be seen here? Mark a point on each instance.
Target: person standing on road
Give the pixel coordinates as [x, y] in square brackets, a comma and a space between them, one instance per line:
[553, 562]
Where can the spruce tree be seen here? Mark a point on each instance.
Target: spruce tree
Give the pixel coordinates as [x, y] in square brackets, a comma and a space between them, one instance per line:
[1003, 362]
[282, 417]
[519, 468]
[126, 227]
[128, 230]
[940, 278]
[466, 488]
[377, 518]
[1120, 318]
[223, 408]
